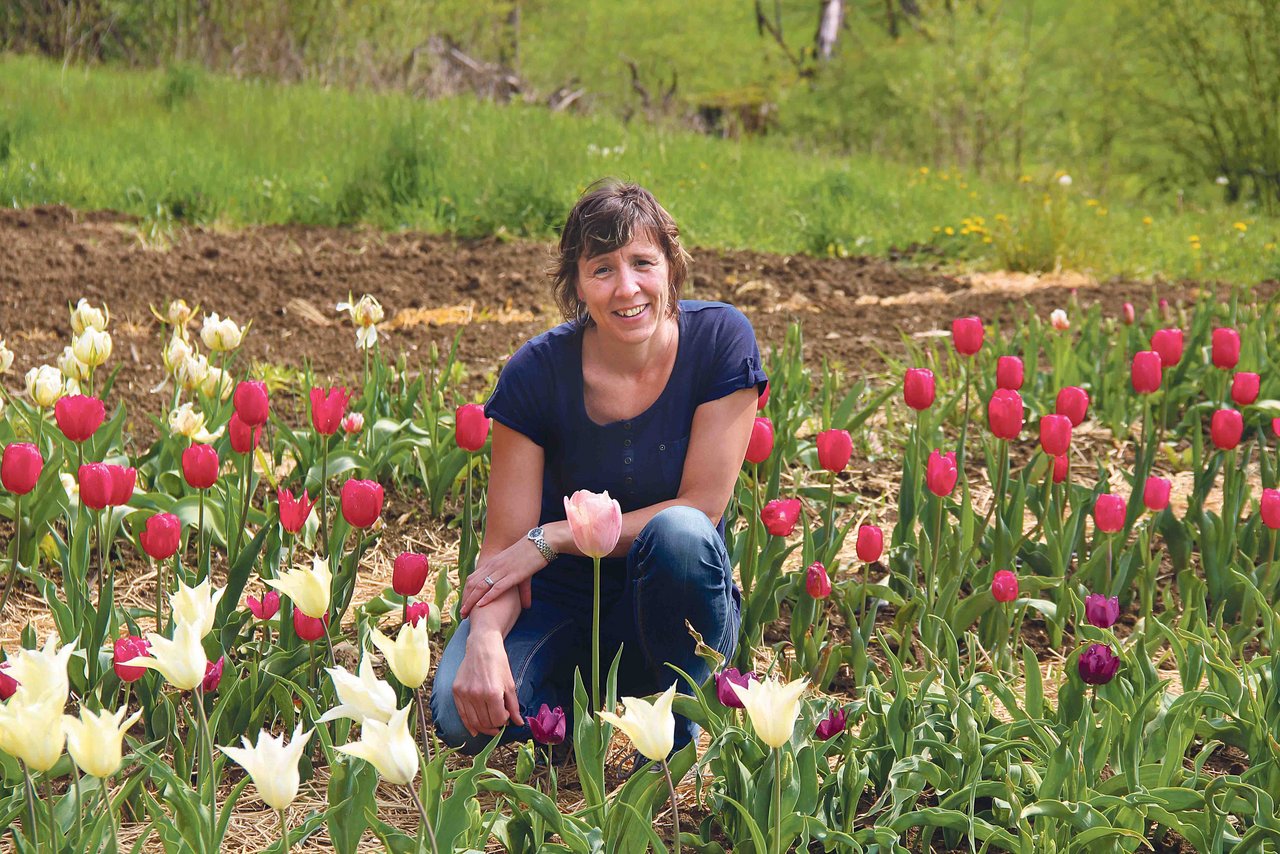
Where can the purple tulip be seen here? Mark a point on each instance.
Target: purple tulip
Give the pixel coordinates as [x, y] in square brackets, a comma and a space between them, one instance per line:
[724, 678]
[832, 725]
[1101, 611]
[548, 725]
[1097, 665]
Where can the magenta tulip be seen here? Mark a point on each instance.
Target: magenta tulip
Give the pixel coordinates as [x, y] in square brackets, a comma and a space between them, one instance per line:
[1009, 372]
[1225, 429]
[1226, 348]
[361, 502]
[78, 416]
[1168, 343]
[1108, 513]
[966, 334]
[834, 449]
[1004, 414]
[1055, 434]
[780, 516]
[870, 543]
[761, 444]
[1145, 373]
[1245, 387]
[1072, 402]
[409, 573]
[471, 427]
[20, 467]
[918, 388]
[1004, 586]
[252, 403]
[161, 536]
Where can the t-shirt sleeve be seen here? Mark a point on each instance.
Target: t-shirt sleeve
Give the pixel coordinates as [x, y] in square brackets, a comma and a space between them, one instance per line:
[735, 360]
[521, 396]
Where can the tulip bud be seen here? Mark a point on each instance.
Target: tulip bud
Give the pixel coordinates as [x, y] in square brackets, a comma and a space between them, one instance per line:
[220, 335]
[307, 628]
[870, 543]
[1127, 314]
[128, 648]
[71, 367]
[761, 444]
[761, 401]
[1244, 388]
[941, 473]
[725, 679]
[1108, 513]
[1168, 343]
[20, 467]
[1004, 586]
[1009, 372]
[92, 347]
[409, 573]
[780, 516]
[199, 466]
[1146, 373]
[1101, 611]
[85, 316]
[1004, 414]
[1225, 429]
[834, 449]
[95, 485]
[243, 437]
[252, 403]
[1097, 665]
[6, 358]
[832, 725]
[327, 408]
[294, 510]
[918, 388]
[1226, 348]
[212, 675]
[966, 335]
[816, 582]
[1060, 468]
[44, 386]
[1058, 320]
[1271, 508]
[1072, 402]
[595, 520]
[548, 726]
[352, 423]
[266, 607]
[1055, 434]
[78, 416]
[471, 427]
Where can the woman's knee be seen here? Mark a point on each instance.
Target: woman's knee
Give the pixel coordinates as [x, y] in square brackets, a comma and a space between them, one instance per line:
[681, 540]
[444, 711]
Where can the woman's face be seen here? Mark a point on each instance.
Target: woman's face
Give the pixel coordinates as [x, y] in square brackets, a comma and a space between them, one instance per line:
[627, 290]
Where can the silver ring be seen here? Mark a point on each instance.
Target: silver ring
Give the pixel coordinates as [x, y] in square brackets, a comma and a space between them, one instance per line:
[489, 581]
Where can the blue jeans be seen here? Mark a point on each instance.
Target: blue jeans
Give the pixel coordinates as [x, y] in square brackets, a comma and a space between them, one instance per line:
[677, 570]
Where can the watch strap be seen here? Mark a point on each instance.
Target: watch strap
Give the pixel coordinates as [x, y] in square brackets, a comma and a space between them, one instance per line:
[544, 548]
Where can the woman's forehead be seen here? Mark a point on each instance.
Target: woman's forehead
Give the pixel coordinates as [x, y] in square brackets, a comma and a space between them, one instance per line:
[642, 240]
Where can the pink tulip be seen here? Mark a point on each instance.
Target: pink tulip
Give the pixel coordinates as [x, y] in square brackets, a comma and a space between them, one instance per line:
[1055, 434]
[1271, 508]
[1108, 513]
[1155, 493]
[780, 516]
[1072, 402]
[816, 582]
[1004, 586]
[1009, 372]
[1060, 468]
[761, 444]
[1168, 343]
[1245, 387]
[918, 388]
[834, 449]
[595, 521]
[870, 543]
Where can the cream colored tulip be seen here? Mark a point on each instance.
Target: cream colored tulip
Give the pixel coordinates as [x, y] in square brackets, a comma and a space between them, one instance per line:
[362, 699]
[272, 765]
[94, 739]
[188, 421]
[221, 334]
[6, 358]
[180, 661]
[32, 731]
[366, 337]
[773, 707]
[93, 347]
[45, 385]
[72, 488]
[650, 726]
[42, 673]
[308, 588]
[364, 312]
[191, 371]
[179, 313]
[197, 606]
[72, 368]
[175, 353]
[388, 747]
[85, 316]
[217, 383]
[409, 655]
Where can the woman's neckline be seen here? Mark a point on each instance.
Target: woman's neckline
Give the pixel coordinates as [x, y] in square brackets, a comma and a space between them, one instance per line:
[582, 380]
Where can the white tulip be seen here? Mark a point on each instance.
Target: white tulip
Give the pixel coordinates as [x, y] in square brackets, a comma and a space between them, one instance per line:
[365, 699]
[42, 673]
[197, 605]
[93, 346]
[72, 368]
[773, 707]
[650, 726]
[409, 655]
[308, 588]
[388, 747]
[272, 765]
[6, 358]
[180, 661]
[85, 316]
[45, 385]
[94, 739]
[221, 334]
[32, 731]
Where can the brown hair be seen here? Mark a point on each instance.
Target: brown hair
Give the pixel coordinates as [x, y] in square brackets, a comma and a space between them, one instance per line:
[606, 218]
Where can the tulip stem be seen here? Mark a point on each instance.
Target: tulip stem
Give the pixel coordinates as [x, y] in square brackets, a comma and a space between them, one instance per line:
[324, 493]
[964, 427]
[422, 813]
[111, 811]
[422, 723]
[777, 800]
[675, 807]
[159, 567]
[595, 639]
[333, 659]
[206, 762]
[53, 827]
[284, 832]
[200, 557]
[17, 550]
[31, 801]
[246, 477]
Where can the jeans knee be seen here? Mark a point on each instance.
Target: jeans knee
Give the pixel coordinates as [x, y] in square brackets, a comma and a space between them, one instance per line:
[681, 539]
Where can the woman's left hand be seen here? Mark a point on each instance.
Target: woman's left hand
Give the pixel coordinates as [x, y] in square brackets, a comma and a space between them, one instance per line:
[511, 567]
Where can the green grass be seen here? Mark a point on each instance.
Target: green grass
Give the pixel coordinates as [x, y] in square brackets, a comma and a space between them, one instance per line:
[184, 146]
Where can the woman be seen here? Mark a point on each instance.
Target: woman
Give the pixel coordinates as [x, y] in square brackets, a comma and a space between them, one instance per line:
[639, 394]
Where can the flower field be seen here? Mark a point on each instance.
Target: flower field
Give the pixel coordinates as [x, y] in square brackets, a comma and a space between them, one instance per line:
[1011, 590]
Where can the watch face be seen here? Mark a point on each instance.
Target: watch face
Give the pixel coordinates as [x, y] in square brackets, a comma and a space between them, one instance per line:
[535, 533]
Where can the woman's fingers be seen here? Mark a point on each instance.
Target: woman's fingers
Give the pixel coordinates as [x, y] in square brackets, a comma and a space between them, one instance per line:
[513, 706]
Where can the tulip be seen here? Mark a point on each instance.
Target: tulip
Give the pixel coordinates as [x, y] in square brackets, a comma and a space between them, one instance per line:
[780, 516]
[761, 444]
[364, 698]
[1060, 468]
[161, 536]
[84, 316]
[1004, 414]
[174, 354]
[72, 368]
[1155, 493]
[832, 725]
[96, 487]
[1225, 429]
[243, 437]
[1009, 372]
[388, 747]
[309, 589]
[834, 449]
[123, 481]
[361, 502]
[1101, 611]
[918, 388]
[408, 656]
[966, 334]
[309, 628]
[1226, 348]
[44, 386]
[327, 408]
[32, 732]
[196, 606]
[200, 466]
[94, 739]
[187, 421]
[1097, 665]
[1245, 387]
[1275, 427]
[1055, 434]
[816, 582]
[1004, 586]
[20, 467]
[352, 423]
[595, 520]
[941, 473]
[128, 648]
[1146, 373]
[191, 372]
[6, 358]
[870, 543]
[212, 675]
[252, 403]
[78, 416]
[1271, 508]
[1168, 343]
[180, 661]
[548, 726]
[366, 311]
[294, 510]
[266, 607]
[42, 673]
[92, 347]
[761, 401]
[8, 685]
[650, 726]
[1127, 314]
[410, 573]
[271, 765]
[416, 612]
[725, 680]
[773, 707]
[1108, 513]
[1072, 402]
[221, 335]
[471, 427]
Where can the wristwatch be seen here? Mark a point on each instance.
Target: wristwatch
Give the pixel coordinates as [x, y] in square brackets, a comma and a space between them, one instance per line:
[544, 548]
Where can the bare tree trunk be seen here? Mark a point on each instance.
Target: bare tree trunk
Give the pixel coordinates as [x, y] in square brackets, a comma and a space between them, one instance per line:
[828, 27]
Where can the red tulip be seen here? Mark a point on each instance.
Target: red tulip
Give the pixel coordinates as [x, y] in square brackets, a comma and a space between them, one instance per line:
[1155, 493]
[780, 516]
[361, 502]
[8, 685]
[918, 388]
[1009, 373]
[78, 416]
[941, 473]
[1060, 468]
[1127, 314]
[1275, 427]
[212, 675]
[200, 466]
[471, 427]
[1108, 513]
[870, 543]
[1168, 343]
[243, 437]
[266, 607]
[95, 485]
[1245, 387]
[161, 536]
[1271, 508]
[252, 403]
[1004, 586]
[417, 611]
[1225, 429]
[966, 334]
[1226, 348]
[123, 480]
[20, 467]
[761, 444]
[1055, 434]
[327, 408]
[128, 648]
[834, 449]
[816, 582]
[294, 510]
[1004, 414]
[309, 628]
[1072, 402]
[409, 573]
[763, 399]
[1145, 373]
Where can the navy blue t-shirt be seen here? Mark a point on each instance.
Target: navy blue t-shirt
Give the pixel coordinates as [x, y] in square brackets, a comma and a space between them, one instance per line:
[639, 461]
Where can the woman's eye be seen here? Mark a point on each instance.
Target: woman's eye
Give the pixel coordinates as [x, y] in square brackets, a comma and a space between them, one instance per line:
[600, 271]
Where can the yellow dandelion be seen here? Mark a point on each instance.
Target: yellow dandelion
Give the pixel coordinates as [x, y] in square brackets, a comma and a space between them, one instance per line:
[1239, 226]
[937, 229]
[1195, 238]
[1102, 211]
[1093, 203]
[973, 194]
[949, 231]
[1146, 220]
[986, 240]
[944, 176]
[924, 170]
[964, 231]
[1001, 218]
[963, 185]
[1025, 179]
[1268, 247]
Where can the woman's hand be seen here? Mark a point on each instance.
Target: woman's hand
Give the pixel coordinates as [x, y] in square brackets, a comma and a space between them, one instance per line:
[484, 691]
[511, 567]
